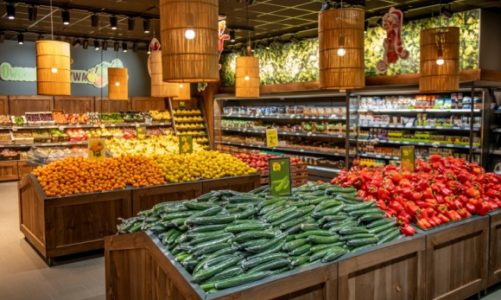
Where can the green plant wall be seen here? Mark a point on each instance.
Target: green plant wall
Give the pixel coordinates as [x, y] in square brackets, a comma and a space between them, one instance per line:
[297, 61]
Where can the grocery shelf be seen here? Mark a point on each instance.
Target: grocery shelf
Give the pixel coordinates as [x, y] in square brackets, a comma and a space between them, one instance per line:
[419, 127]
[424, 110]
[324, 169]
[283, 149]
[379, 156]
[84, 143]
[376, 141]
[84, 126]
[189, 121]
[285, 133]
[285, 117]
[496, 130]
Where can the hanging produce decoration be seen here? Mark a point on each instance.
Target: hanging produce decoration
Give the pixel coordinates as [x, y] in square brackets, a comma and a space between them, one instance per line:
[393, 47]
[189, 31]
[341, 57]
[159, 88]
[118, 84]
[223, 37]
[439, 67]
[53, 66]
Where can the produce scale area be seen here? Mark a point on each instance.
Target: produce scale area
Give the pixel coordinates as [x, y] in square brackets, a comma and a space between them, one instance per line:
[250, 149]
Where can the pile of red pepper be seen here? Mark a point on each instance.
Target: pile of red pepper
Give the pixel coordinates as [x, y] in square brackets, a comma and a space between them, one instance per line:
[441, 190]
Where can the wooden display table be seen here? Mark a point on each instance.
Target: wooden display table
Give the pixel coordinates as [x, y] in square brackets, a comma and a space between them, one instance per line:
[58, 226]
[495, 248]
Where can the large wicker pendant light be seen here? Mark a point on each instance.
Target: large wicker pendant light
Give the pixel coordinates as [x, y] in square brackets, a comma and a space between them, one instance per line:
[341, 39]
[189, 31]
[118, 84]
[159, 88]
[439, 65]
[53, 66]
[247, 80]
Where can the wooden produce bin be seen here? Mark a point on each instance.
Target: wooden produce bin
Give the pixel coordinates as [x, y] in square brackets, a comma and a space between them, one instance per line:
[24, 168]
[146, 198]
[8, 171]
[495, 248]
[457, 259]
[139, 267]
[58, 226]
[392, 271]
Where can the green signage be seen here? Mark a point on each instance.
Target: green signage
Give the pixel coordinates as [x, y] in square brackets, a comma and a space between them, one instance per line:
[185, 144]
[280, 176]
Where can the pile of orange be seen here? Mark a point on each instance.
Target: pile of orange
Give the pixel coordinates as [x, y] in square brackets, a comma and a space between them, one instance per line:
[80, 175]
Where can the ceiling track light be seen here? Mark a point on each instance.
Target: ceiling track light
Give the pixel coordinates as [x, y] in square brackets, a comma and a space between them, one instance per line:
[113, 22]
[96, 45]
[116, 46]
[77, 43]
[65, 15]
[20, 38]
[32, 13]
[11, 10]
[131, 24]
[94, 20]
[124, 47]
[105, 45]
[85, 44]
[146, 26]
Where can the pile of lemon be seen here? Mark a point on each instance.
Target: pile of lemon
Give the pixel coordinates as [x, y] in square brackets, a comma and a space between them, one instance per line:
[201, 165]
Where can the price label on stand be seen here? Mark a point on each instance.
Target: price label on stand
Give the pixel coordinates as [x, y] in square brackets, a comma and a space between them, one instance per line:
[182, 104]
[97, 149]
[185, 144]
[408, 158]
[280, 176]
[271, 137]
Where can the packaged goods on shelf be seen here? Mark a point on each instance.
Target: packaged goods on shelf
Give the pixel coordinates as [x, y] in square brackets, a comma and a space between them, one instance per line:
[452, 101]
[40, 156]
[262, 237]
[272, 110]
[18, 120]
[9, 154]
[22, 137]
[5, 138]
[39, 118]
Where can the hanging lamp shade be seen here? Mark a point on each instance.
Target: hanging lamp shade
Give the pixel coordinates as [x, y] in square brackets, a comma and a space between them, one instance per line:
[118, 84]
[53, 68]
[189, 31]
[159, 88]
[439, 65]
[184, 90]
[341, 47]
[247, 82]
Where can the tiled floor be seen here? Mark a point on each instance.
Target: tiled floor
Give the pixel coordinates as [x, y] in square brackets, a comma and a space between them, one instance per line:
[24, 275]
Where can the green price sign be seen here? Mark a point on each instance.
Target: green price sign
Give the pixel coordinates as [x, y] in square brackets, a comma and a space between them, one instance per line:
[185, 144]
[280, 176]
[407, 158]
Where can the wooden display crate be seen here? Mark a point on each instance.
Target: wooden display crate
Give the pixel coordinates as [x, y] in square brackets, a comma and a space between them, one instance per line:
[138, 267]
[240, 183]
[58, 226]
[495, 248]
[24, 168]
[8, 171]
[392, 271]
[457, 259]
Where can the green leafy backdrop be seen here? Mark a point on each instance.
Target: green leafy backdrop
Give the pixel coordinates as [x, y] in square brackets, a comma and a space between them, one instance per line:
[297, 61]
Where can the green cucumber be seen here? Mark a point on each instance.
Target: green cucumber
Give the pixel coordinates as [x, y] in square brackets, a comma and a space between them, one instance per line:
[318, 255]
[361, 242]
[299, 261]
[228, 273]
[327, 212]
[243, 199]
[271, 265]
[313, 232]
[277, 247]
[239, 280]
[245, 214]
[352, 230]
[253, 235]
[309, 226]
[213, 220]
[193, 205]
[176, 215]
[289, 246]
[291, 223]
[302, 250]
[208, 228]
[333, 254]
[330, 218]
[362, 247]
[253, 262]
[292, 216]
[219, 240]
[361, 212]
[360, 206]
[321, 247]
[390, 237]
[280, 214]
[371, 217]
[252, 243]
[246, 227]
[211, 249]
[380, 222]
[269, 208]
[381, 228]
[266, 245]
[207, 273]
[357, 236]
[211, 239]
[387, 232]
[315, 239]
[327, 204]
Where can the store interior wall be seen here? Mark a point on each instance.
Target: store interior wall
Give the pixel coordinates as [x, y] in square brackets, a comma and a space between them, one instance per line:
[490, 39]
[82, 59]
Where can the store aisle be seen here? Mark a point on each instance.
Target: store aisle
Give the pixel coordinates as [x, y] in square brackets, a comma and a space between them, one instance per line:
[24, 275]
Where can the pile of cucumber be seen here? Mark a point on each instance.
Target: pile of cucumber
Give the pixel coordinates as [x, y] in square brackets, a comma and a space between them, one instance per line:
[227, 238]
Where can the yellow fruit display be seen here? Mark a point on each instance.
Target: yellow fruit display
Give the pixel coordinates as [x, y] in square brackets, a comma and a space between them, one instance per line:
[201, 165]
[150, 146]
[80, 175]
[160, 115]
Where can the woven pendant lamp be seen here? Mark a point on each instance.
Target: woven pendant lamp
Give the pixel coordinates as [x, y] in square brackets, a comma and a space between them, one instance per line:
[341, 48]
[189, 31]
[184, 91]
[247, 81]
[53, 66]
[118, 84]
[439, 66]
[159, 88]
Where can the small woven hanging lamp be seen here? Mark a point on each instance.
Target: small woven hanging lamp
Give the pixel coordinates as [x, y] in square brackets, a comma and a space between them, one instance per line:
[159, 88]
[341, 48]
[189, 31]
[118, 84]
[439, 65]
[184, 91]
[53, 66]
